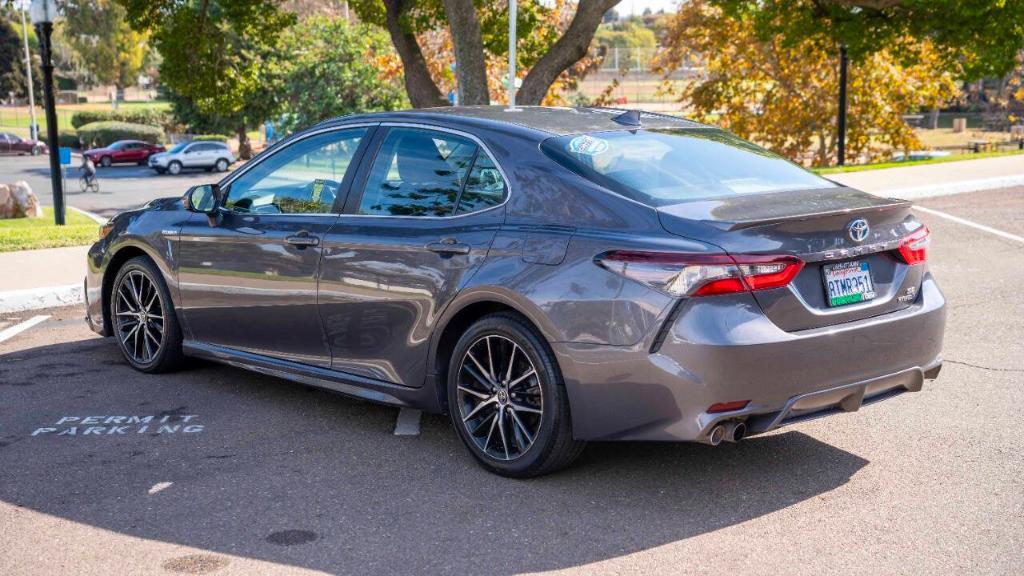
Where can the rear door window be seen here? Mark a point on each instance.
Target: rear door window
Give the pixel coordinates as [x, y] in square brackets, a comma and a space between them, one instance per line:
[417, 172]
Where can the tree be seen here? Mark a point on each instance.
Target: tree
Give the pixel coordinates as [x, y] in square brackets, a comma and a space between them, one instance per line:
[218, 54]
[103, 42]
[981, 36]
[12, 63]
[782, 92]
[479, 33]
[331, 68]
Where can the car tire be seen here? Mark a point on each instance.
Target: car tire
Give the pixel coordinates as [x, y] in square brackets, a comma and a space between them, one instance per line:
[221, 165]
[155, 348]
[36, 151]
[174, 168]
[106, 161]
[507, 404]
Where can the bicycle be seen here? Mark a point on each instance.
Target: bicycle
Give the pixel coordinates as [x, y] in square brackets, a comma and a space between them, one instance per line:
[89, 184]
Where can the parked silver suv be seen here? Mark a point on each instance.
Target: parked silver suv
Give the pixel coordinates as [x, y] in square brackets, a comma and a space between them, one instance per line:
[210, 156]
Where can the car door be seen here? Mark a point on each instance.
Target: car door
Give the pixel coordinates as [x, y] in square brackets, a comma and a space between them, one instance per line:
[192, 156]
[250, 282]
[429, 205]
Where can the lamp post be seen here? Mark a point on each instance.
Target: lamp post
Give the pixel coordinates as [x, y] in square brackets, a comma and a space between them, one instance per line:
[844, 62]
[33, 130]
[42, 13]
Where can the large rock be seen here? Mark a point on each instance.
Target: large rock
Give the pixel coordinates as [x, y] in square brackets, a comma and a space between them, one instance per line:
[18, 201]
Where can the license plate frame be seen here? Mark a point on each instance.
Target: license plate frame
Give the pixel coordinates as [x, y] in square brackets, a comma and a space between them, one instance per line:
[860, 290]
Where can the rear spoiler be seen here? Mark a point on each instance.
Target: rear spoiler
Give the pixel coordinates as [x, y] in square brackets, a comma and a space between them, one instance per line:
[754, 210]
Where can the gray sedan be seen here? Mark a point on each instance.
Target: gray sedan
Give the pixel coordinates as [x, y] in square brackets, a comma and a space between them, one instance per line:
[546, 276]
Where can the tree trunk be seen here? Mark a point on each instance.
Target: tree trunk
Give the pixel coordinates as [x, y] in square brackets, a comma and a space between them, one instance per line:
[933, 118]
[471, 68]
[244, 147]
[422, 91]
[568, 50]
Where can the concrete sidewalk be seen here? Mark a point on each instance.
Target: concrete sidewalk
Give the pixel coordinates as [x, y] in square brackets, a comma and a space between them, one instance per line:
[33, 279]
[927, 180]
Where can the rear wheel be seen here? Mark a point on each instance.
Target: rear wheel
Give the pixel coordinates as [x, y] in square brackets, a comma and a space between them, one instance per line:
[222, 165]
[36, 150]
[143, 318]
[507, 400]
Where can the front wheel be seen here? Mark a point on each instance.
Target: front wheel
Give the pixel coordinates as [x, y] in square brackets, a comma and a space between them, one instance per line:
[106, 161]
[143, 318]
[36, 151]
[507, 400]
[174, 168]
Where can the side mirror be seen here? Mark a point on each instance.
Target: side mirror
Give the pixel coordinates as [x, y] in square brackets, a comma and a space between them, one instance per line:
[205, 199]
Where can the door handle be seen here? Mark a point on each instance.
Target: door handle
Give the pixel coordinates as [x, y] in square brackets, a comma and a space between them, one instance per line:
[449, 246]
[302, 240]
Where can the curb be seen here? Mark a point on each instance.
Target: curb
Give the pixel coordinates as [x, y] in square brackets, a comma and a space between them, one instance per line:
[95, 217]
[36, 298]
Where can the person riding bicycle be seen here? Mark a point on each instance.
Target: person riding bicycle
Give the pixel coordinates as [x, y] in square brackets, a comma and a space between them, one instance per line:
[88, 169]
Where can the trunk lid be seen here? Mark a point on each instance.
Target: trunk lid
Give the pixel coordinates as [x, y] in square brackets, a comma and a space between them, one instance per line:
[814, 226]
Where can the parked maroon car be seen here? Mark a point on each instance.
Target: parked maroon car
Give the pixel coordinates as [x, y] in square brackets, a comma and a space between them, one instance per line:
[124, 152]
[14, 144]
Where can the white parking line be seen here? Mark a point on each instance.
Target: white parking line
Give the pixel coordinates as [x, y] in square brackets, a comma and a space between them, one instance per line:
[19, 328]
[408, 423]
[974, 225]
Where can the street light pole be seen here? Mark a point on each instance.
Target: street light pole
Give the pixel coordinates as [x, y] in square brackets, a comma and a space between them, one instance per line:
[43, 12]
[843, 63]
[33, 130]
[512, 5]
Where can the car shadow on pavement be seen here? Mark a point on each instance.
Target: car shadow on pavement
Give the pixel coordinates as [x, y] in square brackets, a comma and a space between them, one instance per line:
[280, 472]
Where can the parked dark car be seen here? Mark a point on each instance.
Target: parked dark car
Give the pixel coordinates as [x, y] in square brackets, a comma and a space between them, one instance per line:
[124, 152]
[14, 144]
[546, 276]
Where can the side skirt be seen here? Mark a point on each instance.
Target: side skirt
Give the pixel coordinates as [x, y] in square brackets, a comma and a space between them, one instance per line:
[422, 398]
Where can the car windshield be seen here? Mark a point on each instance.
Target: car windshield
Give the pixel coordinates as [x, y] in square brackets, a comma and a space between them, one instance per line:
[662, 167]
[178, 147]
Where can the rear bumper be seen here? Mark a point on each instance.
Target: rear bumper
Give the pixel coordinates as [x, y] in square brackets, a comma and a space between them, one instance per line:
[724, 349]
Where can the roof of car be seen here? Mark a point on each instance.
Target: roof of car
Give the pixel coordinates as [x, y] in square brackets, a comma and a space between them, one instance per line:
[554, 120]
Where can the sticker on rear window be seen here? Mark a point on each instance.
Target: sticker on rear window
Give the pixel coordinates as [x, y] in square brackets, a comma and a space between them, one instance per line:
[587, 145]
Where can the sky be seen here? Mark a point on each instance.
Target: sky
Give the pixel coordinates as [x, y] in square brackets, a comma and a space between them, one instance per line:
[631, 7]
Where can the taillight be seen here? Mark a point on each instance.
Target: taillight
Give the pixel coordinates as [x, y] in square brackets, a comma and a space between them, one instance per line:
[914, 248]
[702, 274]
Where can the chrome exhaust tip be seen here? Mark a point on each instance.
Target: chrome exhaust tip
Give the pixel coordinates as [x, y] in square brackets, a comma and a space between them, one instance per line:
[716, 435]
[735, 431]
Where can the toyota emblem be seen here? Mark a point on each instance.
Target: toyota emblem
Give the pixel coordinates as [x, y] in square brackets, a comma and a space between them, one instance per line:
[858, 230]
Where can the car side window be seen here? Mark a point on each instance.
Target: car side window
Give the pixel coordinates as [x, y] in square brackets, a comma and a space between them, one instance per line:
[303, 178]
[417, 172]
[485, 187]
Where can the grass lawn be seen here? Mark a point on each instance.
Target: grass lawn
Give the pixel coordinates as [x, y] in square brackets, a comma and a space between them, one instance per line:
[17, 119]
[33, 233]
[883, 165]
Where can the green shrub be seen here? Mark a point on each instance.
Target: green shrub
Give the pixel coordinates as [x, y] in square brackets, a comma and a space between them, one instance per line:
[210, 138]
[68, 139]
[148, 116]
[104, 133]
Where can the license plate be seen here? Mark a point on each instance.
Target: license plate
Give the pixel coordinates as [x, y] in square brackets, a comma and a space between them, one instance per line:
[848, 283]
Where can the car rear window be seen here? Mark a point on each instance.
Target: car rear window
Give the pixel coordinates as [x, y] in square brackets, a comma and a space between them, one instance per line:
[662, 167]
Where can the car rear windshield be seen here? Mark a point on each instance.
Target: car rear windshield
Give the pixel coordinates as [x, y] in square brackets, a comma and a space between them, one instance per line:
[661, 167]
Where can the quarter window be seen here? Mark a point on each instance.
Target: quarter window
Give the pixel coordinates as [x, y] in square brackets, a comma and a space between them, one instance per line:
[417, 173]
[303, 178]
[485, 187]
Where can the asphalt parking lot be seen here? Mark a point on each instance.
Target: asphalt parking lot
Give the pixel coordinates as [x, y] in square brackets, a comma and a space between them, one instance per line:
[215, 470]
